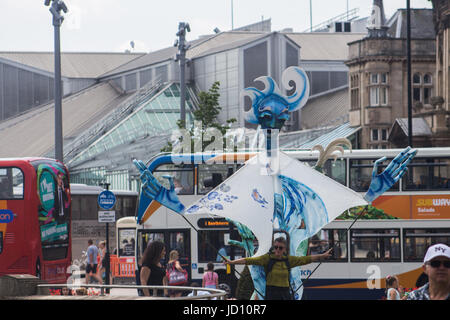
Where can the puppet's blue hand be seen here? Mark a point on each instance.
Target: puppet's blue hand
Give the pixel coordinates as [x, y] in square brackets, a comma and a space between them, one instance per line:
[155, 191]
[393, 172]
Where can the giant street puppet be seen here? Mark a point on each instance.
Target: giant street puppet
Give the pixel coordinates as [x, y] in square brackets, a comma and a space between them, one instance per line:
[273, 191]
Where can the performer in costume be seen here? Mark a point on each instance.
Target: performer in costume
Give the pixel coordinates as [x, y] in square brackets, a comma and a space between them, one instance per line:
[272, 190]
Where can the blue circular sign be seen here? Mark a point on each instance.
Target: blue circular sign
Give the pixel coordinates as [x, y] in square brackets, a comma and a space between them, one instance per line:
[6, 216]
[106, 199]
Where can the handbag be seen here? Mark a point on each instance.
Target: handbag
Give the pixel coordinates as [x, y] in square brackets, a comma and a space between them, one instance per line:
[175, 277]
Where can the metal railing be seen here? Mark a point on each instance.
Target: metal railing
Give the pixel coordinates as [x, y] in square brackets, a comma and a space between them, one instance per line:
[43, 290]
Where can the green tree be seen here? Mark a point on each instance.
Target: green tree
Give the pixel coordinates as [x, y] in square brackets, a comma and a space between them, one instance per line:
[370, 213]
[207, 112]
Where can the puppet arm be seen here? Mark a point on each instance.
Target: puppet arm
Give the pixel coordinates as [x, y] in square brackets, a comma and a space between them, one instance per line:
[393, 172]
[155, 191]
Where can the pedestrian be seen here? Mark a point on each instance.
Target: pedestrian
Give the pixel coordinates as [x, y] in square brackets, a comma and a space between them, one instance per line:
[172, 265]
[152, 272]
[277, 265]
[210, 278]
[436, 265]
[102, 254]
[392, 288]
[91, 263]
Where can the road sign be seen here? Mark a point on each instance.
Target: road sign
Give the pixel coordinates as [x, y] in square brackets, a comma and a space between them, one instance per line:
[107, 216]
[106, 199]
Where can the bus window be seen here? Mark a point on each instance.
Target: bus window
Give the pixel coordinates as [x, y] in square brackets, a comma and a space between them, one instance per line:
[330, 238]
[125, 206]
[211, 242]
[126, 242]
[375, 245]
[428, 174]
[417, 241]
[211, 175]
[336, 170]
[86, 207]
[178, 242]
[11, 184]
[361, 174]
[145, 237]
[183, 177]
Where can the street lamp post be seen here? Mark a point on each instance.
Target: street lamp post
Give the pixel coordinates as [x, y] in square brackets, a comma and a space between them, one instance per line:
[183, 27]
[408, 62]
[55, 9]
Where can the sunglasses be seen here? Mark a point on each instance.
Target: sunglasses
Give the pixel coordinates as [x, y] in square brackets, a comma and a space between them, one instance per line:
[278, 247]
[437, 263]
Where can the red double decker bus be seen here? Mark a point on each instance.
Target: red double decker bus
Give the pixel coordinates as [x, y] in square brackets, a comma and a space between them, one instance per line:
[35, 217]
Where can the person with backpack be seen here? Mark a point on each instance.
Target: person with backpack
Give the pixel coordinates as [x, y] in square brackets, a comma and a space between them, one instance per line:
[277, 265]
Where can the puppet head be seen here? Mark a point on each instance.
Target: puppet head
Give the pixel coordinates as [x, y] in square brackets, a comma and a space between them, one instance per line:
[270, 107]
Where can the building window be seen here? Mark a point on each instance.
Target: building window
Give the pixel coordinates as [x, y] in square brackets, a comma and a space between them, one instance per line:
[422, 88]
[379, 138]
[374, 135]
[378, 89]
[354, 92]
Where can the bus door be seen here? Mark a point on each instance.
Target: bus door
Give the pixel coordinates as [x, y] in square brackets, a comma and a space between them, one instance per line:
[12, 217]
[174, 239]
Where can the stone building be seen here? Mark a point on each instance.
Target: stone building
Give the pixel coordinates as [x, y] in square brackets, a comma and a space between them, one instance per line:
[441, 19]
[378, 82]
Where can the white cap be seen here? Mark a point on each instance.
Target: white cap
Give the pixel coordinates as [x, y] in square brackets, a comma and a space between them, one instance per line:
[437, 250]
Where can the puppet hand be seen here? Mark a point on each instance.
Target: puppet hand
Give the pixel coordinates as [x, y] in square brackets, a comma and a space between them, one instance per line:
[246, 236]
[393, 172]
[155, 191]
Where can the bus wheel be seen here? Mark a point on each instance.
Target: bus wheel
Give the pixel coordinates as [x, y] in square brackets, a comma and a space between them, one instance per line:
[38, 269]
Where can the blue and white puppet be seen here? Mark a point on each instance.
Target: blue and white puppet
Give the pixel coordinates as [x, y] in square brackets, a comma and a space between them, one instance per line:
[274, 191]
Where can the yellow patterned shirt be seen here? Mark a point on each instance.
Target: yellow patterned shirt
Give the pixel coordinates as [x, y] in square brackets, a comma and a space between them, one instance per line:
[279, 276]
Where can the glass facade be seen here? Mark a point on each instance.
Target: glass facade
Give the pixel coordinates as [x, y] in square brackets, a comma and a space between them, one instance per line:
[222, 67]
[154, 117]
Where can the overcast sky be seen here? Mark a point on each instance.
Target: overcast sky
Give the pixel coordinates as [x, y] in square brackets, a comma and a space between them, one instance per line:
[110, 25]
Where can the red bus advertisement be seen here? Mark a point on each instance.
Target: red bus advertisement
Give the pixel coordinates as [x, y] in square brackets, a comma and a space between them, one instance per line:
[35, 217]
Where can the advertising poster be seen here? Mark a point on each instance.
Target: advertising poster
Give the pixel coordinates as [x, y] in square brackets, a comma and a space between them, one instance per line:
[54, 207]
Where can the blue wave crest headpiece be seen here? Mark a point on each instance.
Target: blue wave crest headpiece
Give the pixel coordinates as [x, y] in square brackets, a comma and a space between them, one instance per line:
[271, 108]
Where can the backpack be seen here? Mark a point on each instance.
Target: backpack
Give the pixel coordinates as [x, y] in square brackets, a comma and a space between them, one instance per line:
[175, 277]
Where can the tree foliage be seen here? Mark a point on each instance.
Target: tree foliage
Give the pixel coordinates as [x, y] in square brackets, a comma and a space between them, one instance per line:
[207, 112]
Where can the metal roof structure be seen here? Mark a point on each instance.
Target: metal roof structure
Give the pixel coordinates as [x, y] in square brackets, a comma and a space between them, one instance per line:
[324, 110]
[327, 46]
[419, 126]
[199, 47]
[422, 26]
[342, 131]
[73, 64]
[32, 133]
